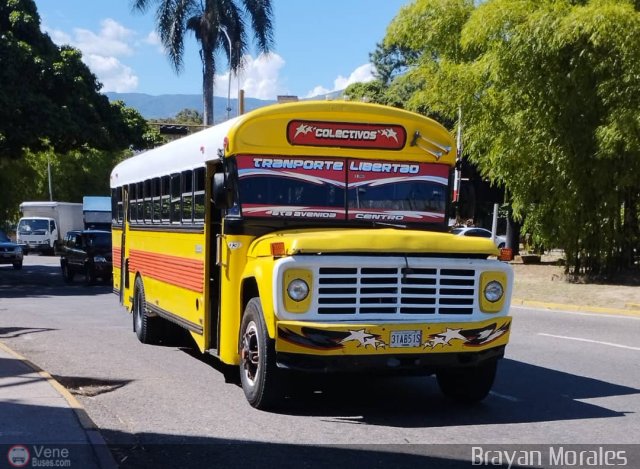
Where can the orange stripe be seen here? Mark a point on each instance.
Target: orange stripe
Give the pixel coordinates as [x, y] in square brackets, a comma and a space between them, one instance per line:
[179, 271]
[116, 253]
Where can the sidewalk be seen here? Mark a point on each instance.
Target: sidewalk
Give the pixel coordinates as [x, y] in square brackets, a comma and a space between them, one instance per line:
[40, 421]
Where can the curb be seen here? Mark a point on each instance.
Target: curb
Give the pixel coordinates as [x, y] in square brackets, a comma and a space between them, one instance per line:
[98, 444]
[577, 308]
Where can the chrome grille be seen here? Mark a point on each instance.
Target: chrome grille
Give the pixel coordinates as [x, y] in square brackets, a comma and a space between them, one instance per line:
[391, 290]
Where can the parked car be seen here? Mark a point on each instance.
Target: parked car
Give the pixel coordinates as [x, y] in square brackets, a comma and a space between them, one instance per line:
[501, 241]
[10, 252]
[86, 252]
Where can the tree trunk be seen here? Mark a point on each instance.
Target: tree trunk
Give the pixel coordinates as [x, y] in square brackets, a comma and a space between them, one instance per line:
[207, 87]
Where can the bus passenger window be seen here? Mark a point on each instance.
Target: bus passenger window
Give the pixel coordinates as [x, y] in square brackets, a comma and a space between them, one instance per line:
[198, 195]
[175, 199]
[165, 199]
[187, 197]
[156, 193]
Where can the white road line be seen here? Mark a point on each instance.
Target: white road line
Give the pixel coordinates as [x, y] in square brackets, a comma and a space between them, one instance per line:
[577, 313]
[589, 340]
[505, 396]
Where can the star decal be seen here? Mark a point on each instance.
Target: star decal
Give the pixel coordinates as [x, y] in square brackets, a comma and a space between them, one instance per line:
[444, 338]
[303, 129]
[390, 133]
[364, 338]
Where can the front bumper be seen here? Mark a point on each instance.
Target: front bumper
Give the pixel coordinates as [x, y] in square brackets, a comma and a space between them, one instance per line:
[10, 259]
[303, 345]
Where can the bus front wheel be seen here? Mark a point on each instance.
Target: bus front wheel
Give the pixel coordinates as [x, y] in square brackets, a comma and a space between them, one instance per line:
[144, 326]
[261, 380]
[468, 385]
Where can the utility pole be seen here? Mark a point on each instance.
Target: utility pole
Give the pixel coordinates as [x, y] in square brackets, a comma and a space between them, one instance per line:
[226, 34]
[49, 177]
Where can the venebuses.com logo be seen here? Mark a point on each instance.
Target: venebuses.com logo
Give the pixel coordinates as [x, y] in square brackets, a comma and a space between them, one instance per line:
[18, 456]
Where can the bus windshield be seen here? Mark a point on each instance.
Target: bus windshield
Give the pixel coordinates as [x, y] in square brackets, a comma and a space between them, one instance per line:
[341, 189]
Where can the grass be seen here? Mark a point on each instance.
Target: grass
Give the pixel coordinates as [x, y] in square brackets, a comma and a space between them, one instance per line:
[546, 282]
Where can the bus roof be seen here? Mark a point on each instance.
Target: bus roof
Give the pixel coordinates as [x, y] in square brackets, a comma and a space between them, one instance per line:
[349, 129]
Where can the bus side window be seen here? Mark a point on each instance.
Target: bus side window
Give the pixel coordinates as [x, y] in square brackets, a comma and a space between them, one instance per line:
[165, 199]
[187, 196]
[148, 207]
[133, 208]
[156, 193]
[198, 195]
[176, 214]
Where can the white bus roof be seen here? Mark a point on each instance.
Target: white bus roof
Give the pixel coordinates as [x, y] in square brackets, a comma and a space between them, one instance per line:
[264, 130]
[190, 152]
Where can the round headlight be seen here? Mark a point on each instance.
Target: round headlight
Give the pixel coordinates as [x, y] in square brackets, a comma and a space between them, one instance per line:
[297, 289]
[493, 291]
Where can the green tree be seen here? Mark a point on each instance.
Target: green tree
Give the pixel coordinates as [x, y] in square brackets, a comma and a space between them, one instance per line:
[48, 97]
[550, 93]
[189, 117]
[211, 21]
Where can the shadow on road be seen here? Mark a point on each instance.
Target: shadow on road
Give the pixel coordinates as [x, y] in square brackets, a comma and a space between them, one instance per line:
[37, 281]
[523, 393]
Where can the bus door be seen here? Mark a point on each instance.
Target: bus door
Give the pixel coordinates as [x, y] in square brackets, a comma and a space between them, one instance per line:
[214, 230]
[124, 266]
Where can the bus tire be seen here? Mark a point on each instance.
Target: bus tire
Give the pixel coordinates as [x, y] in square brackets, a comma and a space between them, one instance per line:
[467, 385]
[260, 378]
[146, 328]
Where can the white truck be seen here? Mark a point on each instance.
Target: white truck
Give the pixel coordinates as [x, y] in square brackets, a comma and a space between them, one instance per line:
[97, 212]
[44, 225]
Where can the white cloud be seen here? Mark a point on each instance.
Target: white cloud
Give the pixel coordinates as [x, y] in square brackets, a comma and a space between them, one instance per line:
[112, 40]
[153, 39]
[259, 78]
[100, 53]
[362, 74]
[113, 74]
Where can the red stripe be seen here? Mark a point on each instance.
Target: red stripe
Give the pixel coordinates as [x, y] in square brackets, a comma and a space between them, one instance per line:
[116, 258]
[179, 271]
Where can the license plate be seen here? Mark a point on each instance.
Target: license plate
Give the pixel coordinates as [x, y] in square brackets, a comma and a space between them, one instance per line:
[402, 339]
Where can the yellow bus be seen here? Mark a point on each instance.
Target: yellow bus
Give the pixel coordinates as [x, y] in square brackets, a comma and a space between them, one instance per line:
[311, 237]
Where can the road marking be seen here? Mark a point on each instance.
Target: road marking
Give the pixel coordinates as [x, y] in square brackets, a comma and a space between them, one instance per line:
[631, 316]
[505, 396]
[590, 341]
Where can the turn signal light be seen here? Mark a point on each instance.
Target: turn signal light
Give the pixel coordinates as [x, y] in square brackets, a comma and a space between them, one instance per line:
[278, 250]
[506, 254]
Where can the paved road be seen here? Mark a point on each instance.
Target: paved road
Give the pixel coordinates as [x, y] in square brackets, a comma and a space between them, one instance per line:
[568, 378]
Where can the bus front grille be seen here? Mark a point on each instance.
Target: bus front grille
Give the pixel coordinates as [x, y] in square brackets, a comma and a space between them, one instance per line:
[395, 290]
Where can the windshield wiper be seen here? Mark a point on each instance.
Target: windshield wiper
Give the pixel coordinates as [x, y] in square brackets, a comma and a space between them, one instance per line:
[392, 225]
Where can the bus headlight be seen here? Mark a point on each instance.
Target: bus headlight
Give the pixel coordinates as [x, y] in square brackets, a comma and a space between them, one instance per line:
[493, 286]
[296, 286]
[298, 289]
[493, 291]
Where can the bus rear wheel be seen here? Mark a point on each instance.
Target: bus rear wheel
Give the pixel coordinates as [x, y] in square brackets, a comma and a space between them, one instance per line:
[468, 385]
[261, 380]
[144, 326]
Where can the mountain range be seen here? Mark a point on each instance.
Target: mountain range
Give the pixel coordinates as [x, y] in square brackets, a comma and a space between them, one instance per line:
[165, 106]
[168, 105]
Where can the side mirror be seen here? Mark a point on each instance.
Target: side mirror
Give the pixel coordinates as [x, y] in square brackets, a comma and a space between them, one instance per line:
[221, 192]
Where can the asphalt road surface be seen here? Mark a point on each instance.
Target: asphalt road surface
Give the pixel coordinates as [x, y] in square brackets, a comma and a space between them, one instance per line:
[567, 379]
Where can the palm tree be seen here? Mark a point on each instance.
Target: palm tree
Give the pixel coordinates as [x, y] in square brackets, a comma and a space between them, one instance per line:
[210, 21]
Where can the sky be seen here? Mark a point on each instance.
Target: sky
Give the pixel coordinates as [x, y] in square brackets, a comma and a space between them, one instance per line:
[320, 46]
